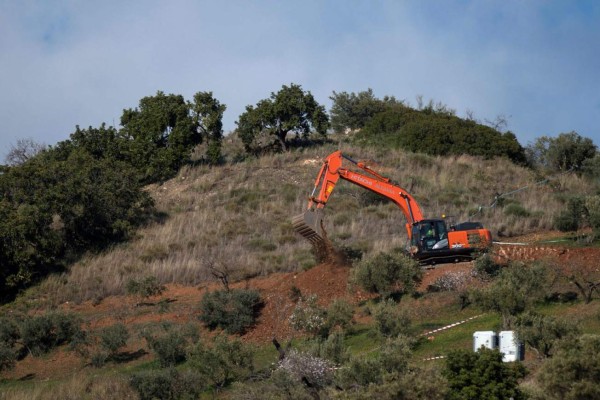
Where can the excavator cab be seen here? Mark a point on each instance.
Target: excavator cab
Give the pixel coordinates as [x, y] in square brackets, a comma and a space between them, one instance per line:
[429, 234]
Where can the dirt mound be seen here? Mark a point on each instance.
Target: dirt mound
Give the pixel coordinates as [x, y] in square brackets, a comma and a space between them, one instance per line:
[328, 281]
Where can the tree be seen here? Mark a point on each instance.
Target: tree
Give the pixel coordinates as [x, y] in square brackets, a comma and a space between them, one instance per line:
[59, 204]
[23, 150]
[585, 275]
[208, 118]
[515, 290]
[572, 374]
[482, 375]
[291, 110]
[561, 153]
[542, 332]
[435, 130]
[387, 273]
[161, 134]
[354, 110]
[222, 362]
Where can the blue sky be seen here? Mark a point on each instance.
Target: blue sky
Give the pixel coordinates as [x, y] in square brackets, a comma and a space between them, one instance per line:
[65, 63]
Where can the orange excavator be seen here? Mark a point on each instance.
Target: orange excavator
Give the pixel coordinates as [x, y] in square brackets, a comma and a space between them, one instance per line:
[430, 239]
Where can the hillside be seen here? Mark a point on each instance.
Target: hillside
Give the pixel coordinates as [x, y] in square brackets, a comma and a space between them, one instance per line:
[237, 218]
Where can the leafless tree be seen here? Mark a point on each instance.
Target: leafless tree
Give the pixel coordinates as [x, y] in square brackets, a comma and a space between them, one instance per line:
[23, 150]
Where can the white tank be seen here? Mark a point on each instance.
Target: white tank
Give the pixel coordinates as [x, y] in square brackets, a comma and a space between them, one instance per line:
[512, 349]
[487, 339]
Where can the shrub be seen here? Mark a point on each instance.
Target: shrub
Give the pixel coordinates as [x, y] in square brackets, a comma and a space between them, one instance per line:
[113, 337]
[573, 371]
[315, 371]
[145, 287]
[389, 365]
[9, 332]
[168, 384]
[515, 290]
[387, 273]
[482, 375]
[516, 210]
[309, 317]
[332, 348]
[542, 332]
[485, 267]
[169, 348]
[42, 333]
[222, 362]
[339, 314]
[572, 217]
[7, 357]
[391, 320]
[232, 310]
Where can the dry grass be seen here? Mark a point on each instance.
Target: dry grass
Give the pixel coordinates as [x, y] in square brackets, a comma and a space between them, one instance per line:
[238, 216]
[79, 386]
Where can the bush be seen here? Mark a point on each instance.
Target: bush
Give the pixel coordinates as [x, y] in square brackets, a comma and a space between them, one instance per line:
[542, 332]
[113, 337]
[572, 217]
[332, 348]
[391, 320]
[169, 348]
[9, 332]
[482, 375]
[145, 287]
[485, 267]
[389, 365]
[232, 310]
[387, 273]
[315, 371]
[7, 357]
[339, 314]
[42, 333]
[517, 289]
[309, 317]
[573, 371]
[168, 384]
[516, 210]
[222, 362]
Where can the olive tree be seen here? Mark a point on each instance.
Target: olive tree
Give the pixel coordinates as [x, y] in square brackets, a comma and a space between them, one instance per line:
[289, 111]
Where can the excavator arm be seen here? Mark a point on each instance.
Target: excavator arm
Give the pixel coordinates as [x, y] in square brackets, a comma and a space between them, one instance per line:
[309, 224]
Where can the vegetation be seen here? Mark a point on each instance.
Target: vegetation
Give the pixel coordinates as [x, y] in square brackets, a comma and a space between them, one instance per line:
[516, 289]
[97, 215]
[435, 130]
[291, 110]
[482, 375]
[232, 310]
[567, 151]
[573, 372]
[388, 274]
[352, 111]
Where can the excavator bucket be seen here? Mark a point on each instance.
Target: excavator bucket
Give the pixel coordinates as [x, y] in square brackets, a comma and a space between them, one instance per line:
[309, 225]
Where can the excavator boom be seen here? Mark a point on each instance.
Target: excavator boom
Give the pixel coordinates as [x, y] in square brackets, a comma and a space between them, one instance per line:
[310, 225]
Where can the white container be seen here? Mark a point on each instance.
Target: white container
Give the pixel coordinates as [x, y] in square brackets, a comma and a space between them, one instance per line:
[487, 339]
[512, 349]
